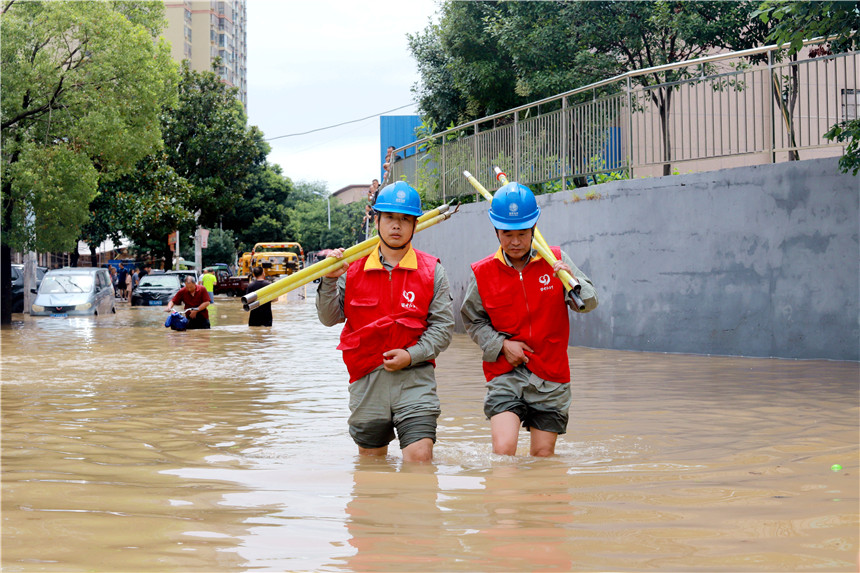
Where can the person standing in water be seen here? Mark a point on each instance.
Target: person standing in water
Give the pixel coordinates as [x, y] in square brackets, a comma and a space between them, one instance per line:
[515, 309]
[208, 281]
[262, 315]
[399, 316]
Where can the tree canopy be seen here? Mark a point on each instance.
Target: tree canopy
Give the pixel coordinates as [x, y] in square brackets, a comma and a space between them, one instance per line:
[486, 57]
[208, 142]
[83, 84]
[794, 22]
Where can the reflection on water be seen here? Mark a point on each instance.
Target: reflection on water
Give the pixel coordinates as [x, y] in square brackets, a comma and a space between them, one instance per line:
[130, 447]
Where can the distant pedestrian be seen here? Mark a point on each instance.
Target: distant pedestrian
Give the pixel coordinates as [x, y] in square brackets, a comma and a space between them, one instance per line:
[133, 279]
[262, 315]
[112, 273]
[121, 278]
[208, 281]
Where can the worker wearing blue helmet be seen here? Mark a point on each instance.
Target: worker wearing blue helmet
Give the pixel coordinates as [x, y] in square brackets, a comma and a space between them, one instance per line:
[398, 315]
[516, 310]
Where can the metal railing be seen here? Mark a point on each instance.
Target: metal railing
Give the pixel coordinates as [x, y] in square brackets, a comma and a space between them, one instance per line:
[738, 108]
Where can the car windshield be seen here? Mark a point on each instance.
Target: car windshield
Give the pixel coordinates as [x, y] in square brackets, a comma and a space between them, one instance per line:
[55, 284]
[160, 281]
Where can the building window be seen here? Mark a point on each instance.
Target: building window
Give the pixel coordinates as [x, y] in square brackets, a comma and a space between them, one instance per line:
[850, 99]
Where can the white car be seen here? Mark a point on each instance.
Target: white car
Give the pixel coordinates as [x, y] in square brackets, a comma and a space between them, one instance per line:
[73, 291]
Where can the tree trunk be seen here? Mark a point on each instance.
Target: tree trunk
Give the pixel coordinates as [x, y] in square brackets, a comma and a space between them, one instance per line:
[787, 101]
[93, 257]
[6, 250]
[665, 106]
[74, 256]
[6, 293]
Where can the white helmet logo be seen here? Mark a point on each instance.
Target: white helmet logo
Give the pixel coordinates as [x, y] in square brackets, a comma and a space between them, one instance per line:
[544, 280]
[513, 208]
[409, 296]
[401, 196]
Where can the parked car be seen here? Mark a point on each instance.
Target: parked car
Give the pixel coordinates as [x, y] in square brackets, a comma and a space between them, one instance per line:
[185, 273]
[156, 289]
[74, 292]
[18, 285]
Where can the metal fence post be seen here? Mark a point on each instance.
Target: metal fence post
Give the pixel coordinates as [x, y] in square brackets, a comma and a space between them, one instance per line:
[771, 96]
[629, 128]
[564, 144]
[516, 146]
[444, 170]
[476, 148]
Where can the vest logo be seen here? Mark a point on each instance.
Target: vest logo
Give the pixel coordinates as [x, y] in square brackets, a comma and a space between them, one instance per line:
[410, 298]
[545, 280]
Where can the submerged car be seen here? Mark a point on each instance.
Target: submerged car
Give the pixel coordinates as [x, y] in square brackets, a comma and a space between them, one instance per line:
[155, 290]
[18, 285]
[74, 292]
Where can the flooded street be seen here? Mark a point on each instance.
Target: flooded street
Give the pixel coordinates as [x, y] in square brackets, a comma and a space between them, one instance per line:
[127, 446]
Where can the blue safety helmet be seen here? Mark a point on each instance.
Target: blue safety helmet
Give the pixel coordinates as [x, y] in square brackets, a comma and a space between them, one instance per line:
[514, 207]
[398, 197]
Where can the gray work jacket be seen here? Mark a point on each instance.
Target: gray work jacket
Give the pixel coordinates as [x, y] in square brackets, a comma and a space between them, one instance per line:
[477, 321]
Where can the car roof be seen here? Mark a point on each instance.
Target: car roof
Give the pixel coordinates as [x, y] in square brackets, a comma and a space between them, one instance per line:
[76, 271]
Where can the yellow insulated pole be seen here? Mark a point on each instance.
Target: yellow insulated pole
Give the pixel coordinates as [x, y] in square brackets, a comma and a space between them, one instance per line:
[281, 287]
[570, 283]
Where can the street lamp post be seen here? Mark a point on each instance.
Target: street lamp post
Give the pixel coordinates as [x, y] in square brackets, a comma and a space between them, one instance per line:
[328, 206]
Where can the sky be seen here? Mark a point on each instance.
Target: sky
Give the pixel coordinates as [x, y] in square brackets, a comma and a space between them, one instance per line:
[316, 63]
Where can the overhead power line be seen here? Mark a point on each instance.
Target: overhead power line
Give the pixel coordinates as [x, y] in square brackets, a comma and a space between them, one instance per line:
[338, 124]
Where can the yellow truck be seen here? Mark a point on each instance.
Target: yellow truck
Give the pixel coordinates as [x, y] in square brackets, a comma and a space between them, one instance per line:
[278, 259]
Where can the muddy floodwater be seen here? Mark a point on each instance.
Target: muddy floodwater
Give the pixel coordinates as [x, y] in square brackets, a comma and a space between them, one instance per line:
[130, 447]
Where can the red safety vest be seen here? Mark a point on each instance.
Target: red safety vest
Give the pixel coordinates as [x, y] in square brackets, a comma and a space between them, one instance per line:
[384, 310]
[528, 305]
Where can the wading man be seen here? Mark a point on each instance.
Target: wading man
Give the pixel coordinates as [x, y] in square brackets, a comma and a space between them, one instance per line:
[399, 316]
[195, 299]
[515, 309]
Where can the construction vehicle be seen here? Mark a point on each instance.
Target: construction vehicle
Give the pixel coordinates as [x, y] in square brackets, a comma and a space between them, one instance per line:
[278, 259]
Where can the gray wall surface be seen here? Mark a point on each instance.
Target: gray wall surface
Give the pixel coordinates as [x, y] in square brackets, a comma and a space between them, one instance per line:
[752, 261]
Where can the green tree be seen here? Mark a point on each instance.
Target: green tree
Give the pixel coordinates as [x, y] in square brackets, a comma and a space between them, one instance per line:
[208, 142]
[308, 218]
[499, 55]
[261, 215]
[468, 75]
[145, 206]
[794, 22]
[83, 83]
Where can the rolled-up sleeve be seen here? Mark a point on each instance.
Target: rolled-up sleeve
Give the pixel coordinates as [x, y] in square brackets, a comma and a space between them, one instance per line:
[440, 321]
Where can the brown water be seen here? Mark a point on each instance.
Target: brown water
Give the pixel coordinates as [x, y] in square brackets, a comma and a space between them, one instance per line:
[130, 447]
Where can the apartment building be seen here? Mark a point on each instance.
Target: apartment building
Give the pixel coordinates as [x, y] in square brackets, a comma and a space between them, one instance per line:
[201, 30]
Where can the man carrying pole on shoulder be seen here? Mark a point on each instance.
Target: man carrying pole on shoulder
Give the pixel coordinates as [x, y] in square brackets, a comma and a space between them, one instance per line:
[399, 316]
[515, 309]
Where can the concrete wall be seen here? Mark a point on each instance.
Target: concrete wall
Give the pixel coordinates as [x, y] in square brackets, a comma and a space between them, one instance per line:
[751, 261]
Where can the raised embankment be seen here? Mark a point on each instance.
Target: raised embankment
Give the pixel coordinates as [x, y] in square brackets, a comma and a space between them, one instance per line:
[750, 261]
